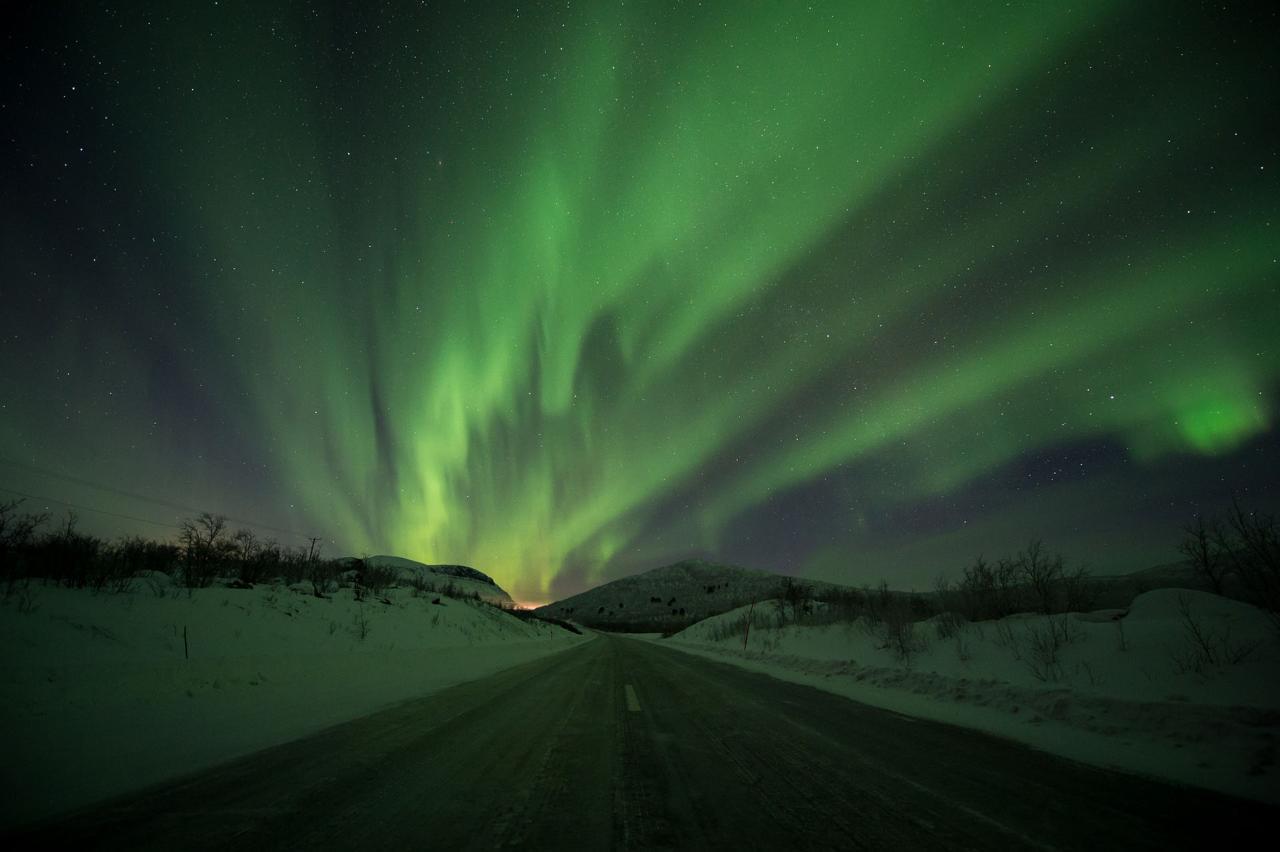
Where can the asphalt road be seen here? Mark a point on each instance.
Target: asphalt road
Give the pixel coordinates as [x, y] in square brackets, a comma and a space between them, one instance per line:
[620, 743]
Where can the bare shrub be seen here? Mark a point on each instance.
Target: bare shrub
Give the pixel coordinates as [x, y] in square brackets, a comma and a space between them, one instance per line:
[1007, 638]
[158, 584]
[374, 578]
[141, 556]
[1031, 579]
[948, 597]
[987, 591]
[27, 596]
[897, 631]
[1042, 656]
[879, 600]
[361, 624]
[1046, 640]
[323, 577]
[758, 618]
[65, 556]
[110, 573]
[419, 584]
[948, 624]
[794, 597]
[1204, 646]
[838, 606]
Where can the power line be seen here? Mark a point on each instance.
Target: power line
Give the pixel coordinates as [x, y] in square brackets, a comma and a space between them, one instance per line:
[87, 508]
[39, 471]
[169, 504]
[133, 517]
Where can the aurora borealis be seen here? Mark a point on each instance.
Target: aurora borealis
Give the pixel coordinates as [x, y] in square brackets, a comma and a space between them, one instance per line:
[563, 293]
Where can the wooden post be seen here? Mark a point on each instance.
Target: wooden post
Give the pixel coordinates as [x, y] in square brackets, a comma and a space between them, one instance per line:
[186, 648]
[748, 631]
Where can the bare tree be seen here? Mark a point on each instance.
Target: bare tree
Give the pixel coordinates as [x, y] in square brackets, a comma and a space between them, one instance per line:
[1202, 545]
[202, 543]
[946, 594]
[1080, 592]
[17, 530]
[976, 589]
[988, 591]
[897, 630]
[256, 558]
[323, 576]
[1251, 543]
[1041, 573]
[796, 596]
[1009, 597]
[879, 600]
[69, 557]
[246, 544]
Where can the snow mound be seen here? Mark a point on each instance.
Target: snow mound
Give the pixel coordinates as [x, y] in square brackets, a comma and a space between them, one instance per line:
[1163, 605]
[1184, 685]
[464, 579]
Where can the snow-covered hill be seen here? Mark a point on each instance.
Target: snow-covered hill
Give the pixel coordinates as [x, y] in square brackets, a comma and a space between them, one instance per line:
[464, 579]
[104, 693]
[1182, 685]
[672, 596]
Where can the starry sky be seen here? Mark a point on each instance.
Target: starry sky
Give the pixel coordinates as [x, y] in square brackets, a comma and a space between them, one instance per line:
[570, 290]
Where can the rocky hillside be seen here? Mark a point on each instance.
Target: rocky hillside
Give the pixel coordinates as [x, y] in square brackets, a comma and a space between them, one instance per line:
[671, 597]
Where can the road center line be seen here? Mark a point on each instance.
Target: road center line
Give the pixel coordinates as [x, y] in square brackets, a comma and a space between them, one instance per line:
[633, 703]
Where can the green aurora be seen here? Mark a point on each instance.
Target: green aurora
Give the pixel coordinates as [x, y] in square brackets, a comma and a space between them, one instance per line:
[563, 293]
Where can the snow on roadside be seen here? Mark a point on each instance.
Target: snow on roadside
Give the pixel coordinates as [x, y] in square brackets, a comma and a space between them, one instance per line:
[97, 696]
[1125, 689]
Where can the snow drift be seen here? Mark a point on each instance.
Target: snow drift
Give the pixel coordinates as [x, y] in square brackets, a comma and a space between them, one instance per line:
[1183, 686]
[100, 694]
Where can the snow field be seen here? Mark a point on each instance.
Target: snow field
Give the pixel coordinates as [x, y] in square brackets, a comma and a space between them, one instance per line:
[98, 697]
[1183, 686]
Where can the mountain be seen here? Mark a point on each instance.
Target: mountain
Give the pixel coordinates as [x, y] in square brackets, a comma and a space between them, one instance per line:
[673, 596]
[463, 578]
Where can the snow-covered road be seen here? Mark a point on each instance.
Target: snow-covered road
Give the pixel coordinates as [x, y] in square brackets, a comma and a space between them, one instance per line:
[617, 743]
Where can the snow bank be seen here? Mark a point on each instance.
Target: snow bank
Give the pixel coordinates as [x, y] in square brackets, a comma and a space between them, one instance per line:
[1131, 690]
[97, 695]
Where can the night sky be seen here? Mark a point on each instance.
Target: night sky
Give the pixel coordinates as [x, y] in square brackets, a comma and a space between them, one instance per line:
[844, 289]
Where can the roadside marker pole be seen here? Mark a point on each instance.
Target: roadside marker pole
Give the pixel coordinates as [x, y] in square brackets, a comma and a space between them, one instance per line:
[748, 633]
